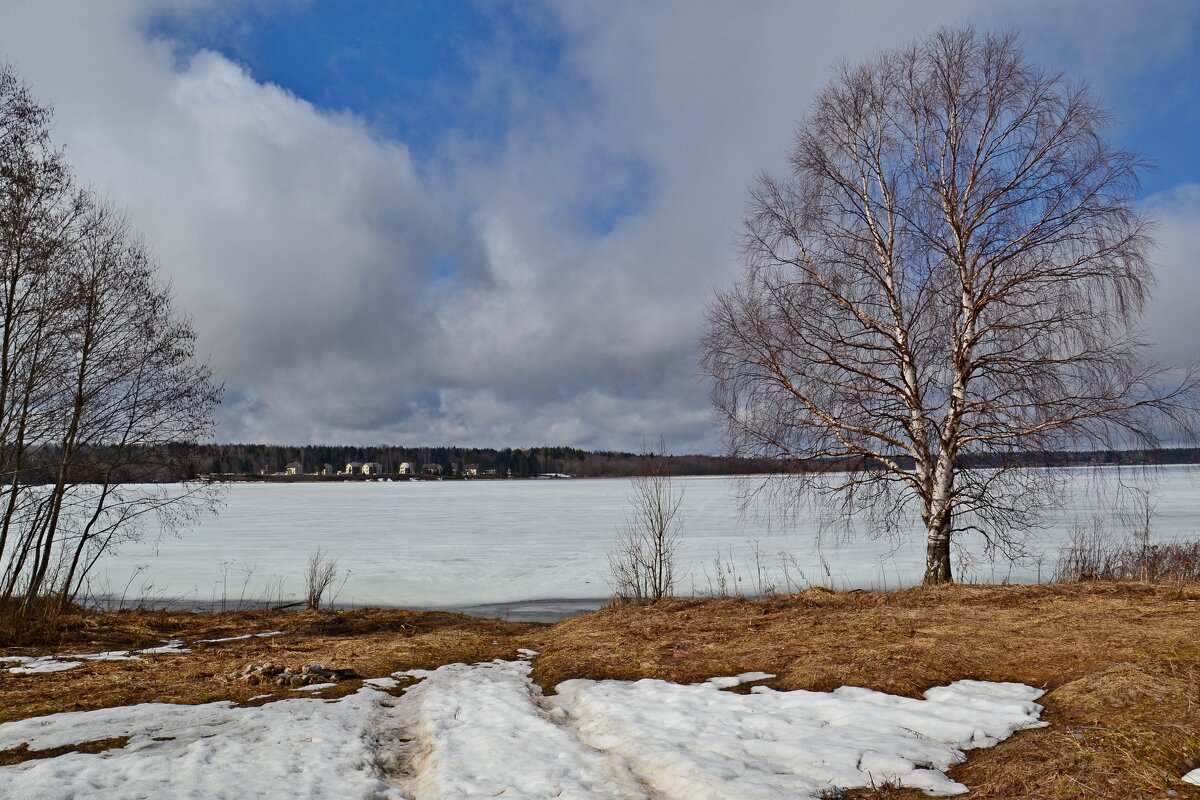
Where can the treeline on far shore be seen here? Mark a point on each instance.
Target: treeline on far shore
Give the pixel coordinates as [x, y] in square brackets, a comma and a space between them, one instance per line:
[451, 462]
[179, 462]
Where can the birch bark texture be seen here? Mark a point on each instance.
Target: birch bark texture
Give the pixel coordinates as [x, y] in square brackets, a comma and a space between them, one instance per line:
[948, 278]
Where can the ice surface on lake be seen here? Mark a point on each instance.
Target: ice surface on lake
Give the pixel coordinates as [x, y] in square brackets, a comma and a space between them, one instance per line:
[485, 730]
[490, 543]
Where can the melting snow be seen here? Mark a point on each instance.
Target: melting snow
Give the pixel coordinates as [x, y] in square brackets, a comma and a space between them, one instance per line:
[314, 687]
[738, 680]
[170, 647]
[1192, 777]
[482, 730]
[298, 748]
[108, 655]
[241, 637]
[36, 665]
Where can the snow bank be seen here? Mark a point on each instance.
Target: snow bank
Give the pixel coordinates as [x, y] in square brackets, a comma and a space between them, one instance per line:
[217, 751]
[699, 741]
[484, 730]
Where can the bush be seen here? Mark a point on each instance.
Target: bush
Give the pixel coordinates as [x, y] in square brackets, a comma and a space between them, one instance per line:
[1095, 555]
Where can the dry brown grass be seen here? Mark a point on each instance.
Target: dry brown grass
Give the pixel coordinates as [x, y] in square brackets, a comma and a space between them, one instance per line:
[1120, 663]
[21, 754]
[373, 642]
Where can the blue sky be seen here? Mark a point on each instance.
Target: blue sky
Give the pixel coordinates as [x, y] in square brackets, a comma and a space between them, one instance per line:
[409, 67]
[497, 223]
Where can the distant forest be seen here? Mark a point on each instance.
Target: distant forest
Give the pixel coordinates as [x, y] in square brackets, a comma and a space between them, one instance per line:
[262, 459]
[234, 462]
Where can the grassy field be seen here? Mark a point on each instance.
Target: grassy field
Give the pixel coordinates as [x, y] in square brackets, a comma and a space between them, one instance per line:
[1120, 664]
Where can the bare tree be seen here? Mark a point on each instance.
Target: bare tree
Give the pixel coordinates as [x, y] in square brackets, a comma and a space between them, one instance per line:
[950, 275]
[642, 563]
[97, 375]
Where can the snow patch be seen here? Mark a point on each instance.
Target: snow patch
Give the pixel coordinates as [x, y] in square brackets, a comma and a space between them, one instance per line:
[42, 665]
[170, 647]
[298, 748]
[1192, 777]
[241, 637]
[108, 655]
[36, 665]
[699, 741]
[737, 680]
[485, 730]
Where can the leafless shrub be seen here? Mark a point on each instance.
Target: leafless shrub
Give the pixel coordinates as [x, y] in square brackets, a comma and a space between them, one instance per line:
[1094, 554]
[322, 572]
[642, 562]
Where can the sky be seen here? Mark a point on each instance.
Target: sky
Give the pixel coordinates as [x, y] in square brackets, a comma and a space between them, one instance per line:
[444, 222]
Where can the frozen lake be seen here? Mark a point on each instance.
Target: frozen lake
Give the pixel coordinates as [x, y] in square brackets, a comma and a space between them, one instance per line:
[505, 544]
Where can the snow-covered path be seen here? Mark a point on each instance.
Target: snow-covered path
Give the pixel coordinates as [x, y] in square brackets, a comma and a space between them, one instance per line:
[486, 730]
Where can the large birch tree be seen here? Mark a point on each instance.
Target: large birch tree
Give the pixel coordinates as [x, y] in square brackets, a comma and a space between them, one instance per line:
[949, 277]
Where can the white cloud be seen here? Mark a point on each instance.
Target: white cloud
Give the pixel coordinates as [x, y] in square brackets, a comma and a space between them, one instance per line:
[1172, 318]
[347, 292]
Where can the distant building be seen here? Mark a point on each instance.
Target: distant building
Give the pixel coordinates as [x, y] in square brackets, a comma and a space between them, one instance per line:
[471, 470]
[327, 469]
[407, 468]
[353, 468]
[372, 468]
[432, 469]
[294, 468]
